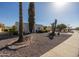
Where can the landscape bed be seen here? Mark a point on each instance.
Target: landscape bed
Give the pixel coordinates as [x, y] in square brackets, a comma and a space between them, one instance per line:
[41, 44]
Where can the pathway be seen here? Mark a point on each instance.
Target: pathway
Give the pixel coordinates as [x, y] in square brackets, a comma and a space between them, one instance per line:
[69, 48]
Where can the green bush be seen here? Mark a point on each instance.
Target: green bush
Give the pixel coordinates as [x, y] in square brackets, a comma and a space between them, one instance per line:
[42, 31]
[5, 30]
[13, 32]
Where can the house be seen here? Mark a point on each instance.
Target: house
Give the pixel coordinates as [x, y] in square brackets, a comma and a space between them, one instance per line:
[49, 28]
[7, 28]
[38, 27]
[2, 27]
[26, 27]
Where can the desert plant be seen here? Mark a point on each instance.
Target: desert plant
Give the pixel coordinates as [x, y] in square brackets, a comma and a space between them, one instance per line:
[61, 26]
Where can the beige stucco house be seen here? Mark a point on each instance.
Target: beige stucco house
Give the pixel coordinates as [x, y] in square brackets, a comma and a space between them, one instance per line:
[2, 27]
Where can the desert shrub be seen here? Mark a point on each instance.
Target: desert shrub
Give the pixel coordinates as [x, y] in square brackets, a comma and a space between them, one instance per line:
[5, 30]
[42, 31]
[13, 32]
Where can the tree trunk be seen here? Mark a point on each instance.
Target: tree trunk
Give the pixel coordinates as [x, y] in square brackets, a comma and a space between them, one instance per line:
[20, 23]
[31, 13]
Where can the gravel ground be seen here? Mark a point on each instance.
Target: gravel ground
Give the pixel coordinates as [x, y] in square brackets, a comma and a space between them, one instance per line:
[41, 45]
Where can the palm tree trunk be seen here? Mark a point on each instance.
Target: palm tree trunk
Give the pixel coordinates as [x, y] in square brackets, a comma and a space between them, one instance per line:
[20, 23]
[31, 13]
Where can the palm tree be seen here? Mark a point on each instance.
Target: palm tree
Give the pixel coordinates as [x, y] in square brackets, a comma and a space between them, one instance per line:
[20, 23]
[31, 13]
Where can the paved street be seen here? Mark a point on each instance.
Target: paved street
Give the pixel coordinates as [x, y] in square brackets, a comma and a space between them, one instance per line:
[69, 48]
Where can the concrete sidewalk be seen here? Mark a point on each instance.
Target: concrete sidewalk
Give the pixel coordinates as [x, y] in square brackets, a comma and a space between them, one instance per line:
[69, 48]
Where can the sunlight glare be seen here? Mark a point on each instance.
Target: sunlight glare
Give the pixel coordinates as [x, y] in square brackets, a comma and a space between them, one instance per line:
[60, 4]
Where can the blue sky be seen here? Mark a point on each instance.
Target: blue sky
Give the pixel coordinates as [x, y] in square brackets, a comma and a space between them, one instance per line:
[45, 13]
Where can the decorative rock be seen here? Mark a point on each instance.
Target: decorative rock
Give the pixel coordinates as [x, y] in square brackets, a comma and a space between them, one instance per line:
[14, 47]
[22, 44]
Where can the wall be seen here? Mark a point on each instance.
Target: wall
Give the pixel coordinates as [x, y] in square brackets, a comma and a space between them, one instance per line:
[26, 27]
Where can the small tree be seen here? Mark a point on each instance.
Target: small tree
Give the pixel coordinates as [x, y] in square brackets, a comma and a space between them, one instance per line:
[77, 28]
[45, 27]
[14, 28]
[61, 26]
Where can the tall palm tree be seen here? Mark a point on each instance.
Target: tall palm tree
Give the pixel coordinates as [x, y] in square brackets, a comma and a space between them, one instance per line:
[20, 23]
[31, 13]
